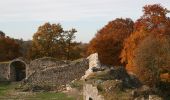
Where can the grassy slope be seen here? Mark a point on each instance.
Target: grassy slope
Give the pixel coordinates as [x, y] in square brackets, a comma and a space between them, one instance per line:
[7, 91]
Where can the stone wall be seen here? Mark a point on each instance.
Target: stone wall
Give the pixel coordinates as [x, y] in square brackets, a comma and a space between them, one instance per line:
[94, 63]
[7, 72]
[22, 63]
[46, 70]
[43, 63]
[4, 71]
[59, 75]
[90, 92]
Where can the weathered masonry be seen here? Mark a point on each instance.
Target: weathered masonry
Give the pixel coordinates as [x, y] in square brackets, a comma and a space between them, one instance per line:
[14, 70]
[42, 70]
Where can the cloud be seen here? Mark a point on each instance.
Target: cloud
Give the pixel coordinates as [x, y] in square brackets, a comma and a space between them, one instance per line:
[69, 10]
[24, 16]
[53, 9]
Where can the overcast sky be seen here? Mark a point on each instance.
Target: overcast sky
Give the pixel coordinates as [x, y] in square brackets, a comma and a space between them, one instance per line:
[21, 18]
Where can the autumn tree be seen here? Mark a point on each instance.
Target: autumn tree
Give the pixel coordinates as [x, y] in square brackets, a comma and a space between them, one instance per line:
[9, 48]
[108, 41]
[154, 21]
[24, 47]
[2, 34]
[52, 41]
[77, 50]
[69, 37]
[152, 57]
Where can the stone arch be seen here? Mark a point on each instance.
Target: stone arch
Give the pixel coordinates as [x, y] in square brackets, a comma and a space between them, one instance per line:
[17, 70]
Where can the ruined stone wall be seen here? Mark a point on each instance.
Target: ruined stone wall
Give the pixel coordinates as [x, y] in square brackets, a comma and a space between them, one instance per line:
[43, 63]
[91, 92]
[4, 71]
[93, 63]
[7, 72]
[23, 63]
[59, 75]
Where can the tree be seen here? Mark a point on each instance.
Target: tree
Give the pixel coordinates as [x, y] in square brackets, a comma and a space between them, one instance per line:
[9, 48]
[151, 58]
[70, 35]
[24, 47]
[154, 21]
[45, 41]
[77, 50]
[139, 53]
[108, 42]
[52, 41]
[2, 34]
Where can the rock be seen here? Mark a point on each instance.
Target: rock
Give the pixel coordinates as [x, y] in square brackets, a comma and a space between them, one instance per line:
[120, 73]
[94, 61]
[95, 69]
[154, 97]
[94, 65]
[90, 92]
[140, 98]
[68, 87]
[112, 85]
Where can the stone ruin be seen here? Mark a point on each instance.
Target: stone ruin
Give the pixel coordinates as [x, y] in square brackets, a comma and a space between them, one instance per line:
[55, 74]
[48, 71]
[90, 92]
[19, 69]
[14, 70]
[94, 63]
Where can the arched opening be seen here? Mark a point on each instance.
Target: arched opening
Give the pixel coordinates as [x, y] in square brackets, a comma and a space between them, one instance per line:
[18, 71]
[90, 99]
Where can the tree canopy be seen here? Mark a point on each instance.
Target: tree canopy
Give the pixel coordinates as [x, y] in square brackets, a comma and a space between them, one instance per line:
[51, 40]
[154, 23]
[108, 41]
[9, 48]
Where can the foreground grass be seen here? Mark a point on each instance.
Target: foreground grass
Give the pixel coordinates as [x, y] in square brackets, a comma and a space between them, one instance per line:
[8, 92]
[51, 96]
[4, 88]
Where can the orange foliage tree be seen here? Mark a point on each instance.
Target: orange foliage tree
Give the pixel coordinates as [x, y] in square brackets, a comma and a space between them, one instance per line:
[9, 48]
[152, 58]
[108, 42]
[153, 22]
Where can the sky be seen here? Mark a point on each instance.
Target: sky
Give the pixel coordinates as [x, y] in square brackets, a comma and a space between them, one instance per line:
[21, 18]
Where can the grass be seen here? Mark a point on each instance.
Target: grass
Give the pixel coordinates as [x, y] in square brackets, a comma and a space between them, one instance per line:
[78, 84]
[8, 92]
[50, 96]
[4, 87]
